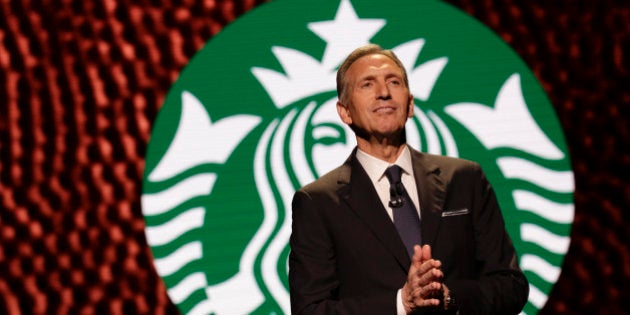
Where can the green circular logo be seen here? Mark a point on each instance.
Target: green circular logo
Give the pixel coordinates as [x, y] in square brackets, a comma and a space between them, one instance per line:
[252, 118]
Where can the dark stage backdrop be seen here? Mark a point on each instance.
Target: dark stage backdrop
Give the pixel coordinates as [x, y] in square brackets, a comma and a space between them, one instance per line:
[81, 83]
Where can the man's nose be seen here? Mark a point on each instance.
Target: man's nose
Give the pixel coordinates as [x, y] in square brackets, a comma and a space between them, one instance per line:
[383, 91]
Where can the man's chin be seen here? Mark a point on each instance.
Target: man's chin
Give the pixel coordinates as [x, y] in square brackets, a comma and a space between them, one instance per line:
[394, 135]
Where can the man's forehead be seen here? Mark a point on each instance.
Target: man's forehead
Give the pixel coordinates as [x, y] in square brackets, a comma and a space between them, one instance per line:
[373, 62]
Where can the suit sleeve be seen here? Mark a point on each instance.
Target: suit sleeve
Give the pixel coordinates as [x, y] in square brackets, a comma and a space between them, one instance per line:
[314, 283]
[501, 287]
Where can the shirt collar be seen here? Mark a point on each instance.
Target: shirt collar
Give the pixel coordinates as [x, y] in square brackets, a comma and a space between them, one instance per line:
[376, 167]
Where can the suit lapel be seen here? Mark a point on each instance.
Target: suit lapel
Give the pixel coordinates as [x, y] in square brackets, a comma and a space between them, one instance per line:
[431, 192]
[361, 197]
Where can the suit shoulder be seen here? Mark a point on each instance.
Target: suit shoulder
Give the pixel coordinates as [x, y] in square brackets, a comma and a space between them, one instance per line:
[328, 182]
[447, 162]
[460, 163]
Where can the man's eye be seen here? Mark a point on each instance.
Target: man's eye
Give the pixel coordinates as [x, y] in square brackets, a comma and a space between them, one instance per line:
[366, 84]
[394, 82]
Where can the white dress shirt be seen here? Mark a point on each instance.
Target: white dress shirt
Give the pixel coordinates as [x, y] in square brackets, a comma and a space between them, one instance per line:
[375, 168]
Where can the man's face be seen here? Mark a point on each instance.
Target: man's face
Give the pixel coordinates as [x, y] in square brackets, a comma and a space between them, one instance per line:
[379, 103]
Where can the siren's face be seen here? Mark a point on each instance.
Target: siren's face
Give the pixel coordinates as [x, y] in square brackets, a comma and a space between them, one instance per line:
[334, 139]
[379, 102]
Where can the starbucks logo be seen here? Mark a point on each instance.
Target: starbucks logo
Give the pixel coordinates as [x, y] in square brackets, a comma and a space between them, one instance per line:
[252, 118]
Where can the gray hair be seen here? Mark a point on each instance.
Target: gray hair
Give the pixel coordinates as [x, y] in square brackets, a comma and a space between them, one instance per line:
[342, 82]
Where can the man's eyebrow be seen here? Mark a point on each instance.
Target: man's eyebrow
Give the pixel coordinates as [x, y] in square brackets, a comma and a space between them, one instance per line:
[393, 75]
[388, 75]
[366, 77]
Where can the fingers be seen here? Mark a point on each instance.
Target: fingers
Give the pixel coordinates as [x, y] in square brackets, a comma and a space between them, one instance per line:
[421, 254]
[417, 255]
[427, 280]
[426, 252]
[425, 296]
[424, 281]
[424, 269]
[428, 271]
[428, 265]
[432, 273]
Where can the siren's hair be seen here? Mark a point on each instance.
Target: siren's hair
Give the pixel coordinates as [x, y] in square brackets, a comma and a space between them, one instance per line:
[370, 49]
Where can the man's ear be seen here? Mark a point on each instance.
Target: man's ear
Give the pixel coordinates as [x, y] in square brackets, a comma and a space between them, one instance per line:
[410, 108]
[344, 113]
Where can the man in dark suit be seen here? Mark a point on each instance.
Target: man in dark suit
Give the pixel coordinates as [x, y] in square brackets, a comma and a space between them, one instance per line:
[349, 251]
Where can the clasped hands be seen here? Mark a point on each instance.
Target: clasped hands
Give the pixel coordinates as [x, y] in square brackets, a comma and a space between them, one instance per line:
[424, 289]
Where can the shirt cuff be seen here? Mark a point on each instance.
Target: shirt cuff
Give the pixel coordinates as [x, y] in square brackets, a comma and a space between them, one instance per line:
[400, 308]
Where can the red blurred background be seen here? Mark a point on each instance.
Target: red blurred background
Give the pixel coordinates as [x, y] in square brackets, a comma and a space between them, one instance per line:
[82, 81]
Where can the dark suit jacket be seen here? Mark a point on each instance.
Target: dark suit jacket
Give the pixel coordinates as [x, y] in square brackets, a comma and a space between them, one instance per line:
[347, 258]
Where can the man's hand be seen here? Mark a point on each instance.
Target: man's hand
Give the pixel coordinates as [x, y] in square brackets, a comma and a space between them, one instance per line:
[423, 289]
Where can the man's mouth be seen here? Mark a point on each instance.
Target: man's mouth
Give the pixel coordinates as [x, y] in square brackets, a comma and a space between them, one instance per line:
[384, 109]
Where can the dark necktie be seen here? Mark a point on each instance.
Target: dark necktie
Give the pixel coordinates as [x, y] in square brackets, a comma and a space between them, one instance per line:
[406, 217]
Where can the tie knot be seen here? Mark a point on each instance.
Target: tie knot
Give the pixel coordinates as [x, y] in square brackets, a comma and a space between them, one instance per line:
[393, 174]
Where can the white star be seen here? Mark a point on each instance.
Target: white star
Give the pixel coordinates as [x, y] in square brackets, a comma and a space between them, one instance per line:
[345, 33]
